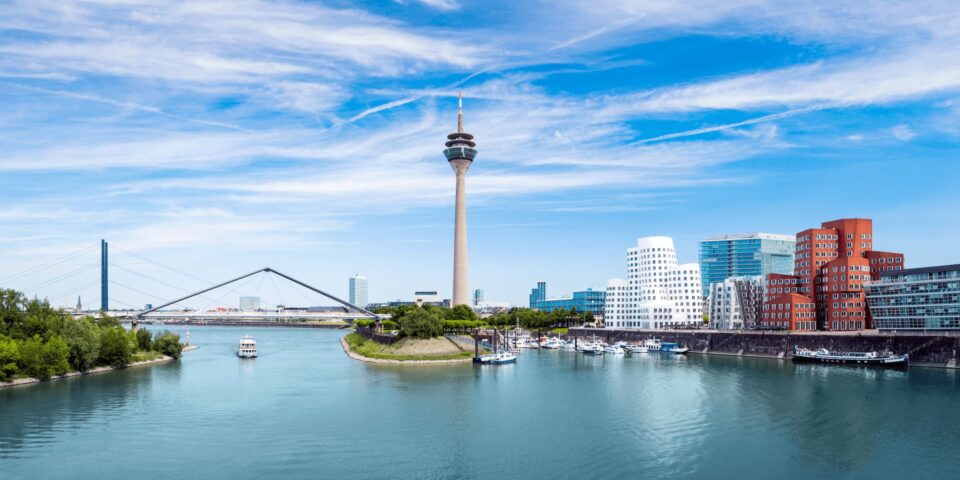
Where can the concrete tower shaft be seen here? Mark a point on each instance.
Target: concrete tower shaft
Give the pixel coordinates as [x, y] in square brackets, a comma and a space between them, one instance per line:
[460, 152]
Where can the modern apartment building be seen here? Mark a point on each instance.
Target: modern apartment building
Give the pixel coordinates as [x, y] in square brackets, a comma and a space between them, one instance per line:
[588, 300]
[744, 254]
[660, 292]
[736, 303]
[358, 290]
[832, 264]
[916, 298]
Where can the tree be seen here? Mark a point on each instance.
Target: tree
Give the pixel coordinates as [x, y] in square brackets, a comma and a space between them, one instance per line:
[168, 344]
[463, 312]
[144, 339]
[420, 323]
[12, 306]
[115, 349]
[9, 358]
[83, 341]
[41, 359]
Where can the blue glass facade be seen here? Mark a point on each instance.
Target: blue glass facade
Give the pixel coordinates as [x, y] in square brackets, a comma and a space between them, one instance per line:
[588, 300]
[741, 255]
[916, 299]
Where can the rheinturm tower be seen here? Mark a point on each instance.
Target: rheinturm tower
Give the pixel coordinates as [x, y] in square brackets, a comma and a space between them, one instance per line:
[460, 152]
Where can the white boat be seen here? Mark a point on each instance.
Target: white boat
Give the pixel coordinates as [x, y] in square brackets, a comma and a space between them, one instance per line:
[247, 348]
[823, 355]
[639, 349]
[552, 343]
[496, 358]
[614, 350]
[653, 344]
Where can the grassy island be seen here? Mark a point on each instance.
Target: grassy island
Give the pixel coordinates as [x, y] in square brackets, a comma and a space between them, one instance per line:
[38, 341]
[408, 349]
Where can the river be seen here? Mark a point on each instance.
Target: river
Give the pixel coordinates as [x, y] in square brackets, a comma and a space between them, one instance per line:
[305, 410]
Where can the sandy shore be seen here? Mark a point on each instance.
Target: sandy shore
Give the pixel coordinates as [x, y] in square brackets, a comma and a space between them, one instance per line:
[30, 381]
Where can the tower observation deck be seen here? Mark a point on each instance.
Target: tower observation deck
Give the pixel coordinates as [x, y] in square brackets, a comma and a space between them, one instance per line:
[460, 152]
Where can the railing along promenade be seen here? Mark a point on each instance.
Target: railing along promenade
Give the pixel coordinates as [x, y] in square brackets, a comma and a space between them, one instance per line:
[925, 348]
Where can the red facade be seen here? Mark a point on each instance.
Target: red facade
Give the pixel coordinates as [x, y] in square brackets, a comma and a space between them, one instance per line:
[831, 265]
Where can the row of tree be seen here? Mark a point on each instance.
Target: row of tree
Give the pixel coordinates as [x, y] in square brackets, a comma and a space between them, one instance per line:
[39, 341]
[430, 321]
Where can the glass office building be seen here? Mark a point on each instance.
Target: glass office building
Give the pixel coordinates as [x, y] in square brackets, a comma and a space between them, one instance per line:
[588, 300]
[744, 254]
[358, 288]
[916, 299]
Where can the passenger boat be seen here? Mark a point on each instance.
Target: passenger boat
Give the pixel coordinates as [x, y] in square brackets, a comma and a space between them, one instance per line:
[247, 347]
[638, 349]
[822, 355]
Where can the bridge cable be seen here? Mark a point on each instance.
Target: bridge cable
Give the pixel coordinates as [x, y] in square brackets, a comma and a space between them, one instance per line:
[141, 257]
[161, 282]
[73, 291]
[140, 292]
[220, 299]
[48, 282]
[48, 264]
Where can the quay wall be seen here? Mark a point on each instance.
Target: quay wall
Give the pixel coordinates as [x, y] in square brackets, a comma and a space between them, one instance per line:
[924, 349]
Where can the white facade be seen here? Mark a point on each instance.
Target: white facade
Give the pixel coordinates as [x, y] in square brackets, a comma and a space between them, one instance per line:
[358, 291]
[735, 303]
[659, 292]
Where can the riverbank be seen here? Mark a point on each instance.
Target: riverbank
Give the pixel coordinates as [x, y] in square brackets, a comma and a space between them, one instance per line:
[406, 352]
[925, 350]
[19, 382]
[214, 323]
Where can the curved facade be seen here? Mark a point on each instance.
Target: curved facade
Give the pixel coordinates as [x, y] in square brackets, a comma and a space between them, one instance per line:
[660, 293]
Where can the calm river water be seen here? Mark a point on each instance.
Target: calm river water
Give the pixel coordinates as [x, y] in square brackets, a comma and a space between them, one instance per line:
[305, 410]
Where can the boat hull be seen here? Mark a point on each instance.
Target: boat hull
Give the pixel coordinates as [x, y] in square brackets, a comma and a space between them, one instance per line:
[896, 361]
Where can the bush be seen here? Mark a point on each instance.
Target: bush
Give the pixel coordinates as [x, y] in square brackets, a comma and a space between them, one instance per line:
[168, 344]
[144, 339]
[83, 341]
[41, 359]
[9, 358]
[421, 323]
[463, 312]
[115, 348]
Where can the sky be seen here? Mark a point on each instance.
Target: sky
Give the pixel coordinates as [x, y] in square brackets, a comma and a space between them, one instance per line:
[207, 139]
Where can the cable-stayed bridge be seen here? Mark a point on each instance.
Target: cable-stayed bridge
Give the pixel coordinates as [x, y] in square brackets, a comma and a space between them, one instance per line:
[217, 302]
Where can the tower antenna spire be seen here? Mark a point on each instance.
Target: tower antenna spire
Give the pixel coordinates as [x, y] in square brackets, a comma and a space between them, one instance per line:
[460, 114]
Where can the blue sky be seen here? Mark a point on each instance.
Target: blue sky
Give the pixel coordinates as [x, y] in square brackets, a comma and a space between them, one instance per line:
[220, 137]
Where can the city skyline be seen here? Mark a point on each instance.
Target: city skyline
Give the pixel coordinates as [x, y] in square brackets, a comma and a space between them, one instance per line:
[226, 146]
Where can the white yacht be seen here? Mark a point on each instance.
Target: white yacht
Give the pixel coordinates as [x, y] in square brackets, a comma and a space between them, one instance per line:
[614, 349]
[247, 348]
[639, 349]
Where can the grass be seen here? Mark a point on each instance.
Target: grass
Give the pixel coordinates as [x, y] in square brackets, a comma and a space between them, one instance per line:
[144, 356]
[559, 330]
[368, 348]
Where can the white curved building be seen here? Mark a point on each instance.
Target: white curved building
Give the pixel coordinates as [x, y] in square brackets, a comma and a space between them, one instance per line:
[659, 292]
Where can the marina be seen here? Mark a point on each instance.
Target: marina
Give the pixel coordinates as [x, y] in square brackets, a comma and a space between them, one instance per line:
[631, 416]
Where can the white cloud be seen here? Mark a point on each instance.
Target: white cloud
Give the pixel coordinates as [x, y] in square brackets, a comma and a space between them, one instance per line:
[903, 132]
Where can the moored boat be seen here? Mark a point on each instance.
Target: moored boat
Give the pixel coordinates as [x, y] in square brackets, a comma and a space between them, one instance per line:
[822, 355]
[496, 358]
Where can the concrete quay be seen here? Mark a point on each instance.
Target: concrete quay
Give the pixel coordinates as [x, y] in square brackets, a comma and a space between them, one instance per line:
[925, 349]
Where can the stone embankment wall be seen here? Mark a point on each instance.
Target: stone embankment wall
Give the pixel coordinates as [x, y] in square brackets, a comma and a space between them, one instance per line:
[924, 349]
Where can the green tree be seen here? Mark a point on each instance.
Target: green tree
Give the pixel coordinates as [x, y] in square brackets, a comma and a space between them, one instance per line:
[168, 343]
[9, 358]
[144, 339]
[83, 340]
[41, 359]
[115, 348]
[12, 306]
[463, 312]
[420, 323]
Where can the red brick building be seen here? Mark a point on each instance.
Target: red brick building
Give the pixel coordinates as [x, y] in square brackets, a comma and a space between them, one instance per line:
[831, 265]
